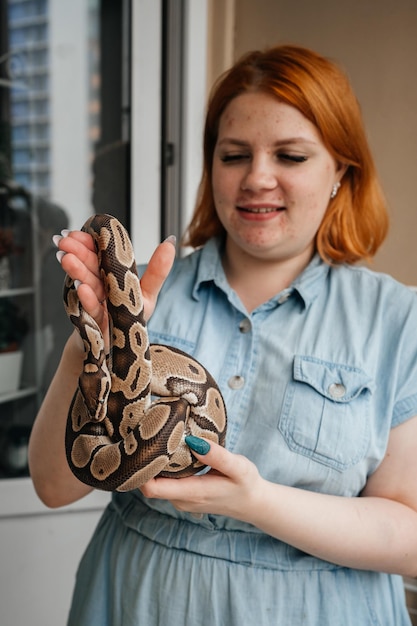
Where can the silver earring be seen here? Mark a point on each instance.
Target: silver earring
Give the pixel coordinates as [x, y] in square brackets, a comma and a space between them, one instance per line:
[335, 189]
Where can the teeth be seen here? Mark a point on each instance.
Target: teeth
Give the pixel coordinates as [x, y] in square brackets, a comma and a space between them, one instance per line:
[261, 210]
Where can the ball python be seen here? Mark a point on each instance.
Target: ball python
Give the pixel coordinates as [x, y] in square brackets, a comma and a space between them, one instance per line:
[134, 406]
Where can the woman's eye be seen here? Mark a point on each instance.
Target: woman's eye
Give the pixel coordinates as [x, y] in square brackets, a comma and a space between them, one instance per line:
[234, 158]
[293, 158]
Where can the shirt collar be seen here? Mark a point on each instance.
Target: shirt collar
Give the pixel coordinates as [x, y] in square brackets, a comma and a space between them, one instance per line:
[210, 269]
[311, 280]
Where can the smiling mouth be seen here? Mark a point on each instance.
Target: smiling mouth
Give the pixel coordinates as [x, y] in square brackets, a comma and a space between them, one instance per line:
[261, 210]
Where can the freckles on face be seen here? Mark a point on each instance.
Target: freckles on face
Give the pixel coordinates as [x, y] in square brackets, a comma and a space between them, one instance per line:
[272, 175]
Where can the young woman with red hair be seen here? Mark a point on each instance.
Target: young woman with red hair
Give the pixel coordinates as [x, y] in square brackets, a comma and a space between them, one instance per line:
[309, 515]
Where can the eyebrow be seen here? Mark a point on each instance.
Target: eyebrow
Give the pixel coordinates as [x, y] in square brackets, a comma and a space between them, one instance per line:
[281, 142]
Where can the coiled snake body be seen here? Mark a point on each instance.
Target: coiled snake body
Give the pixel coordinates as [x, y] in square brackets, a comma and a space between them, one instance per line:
[117, 436]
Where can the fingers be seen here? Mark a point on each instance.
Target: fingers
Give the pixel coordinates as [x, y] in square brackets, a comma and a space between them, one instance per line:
[156, 272]
[185, 494]
[223, 490]
[222, 463]
[79, 236]
[94, 307]
[78, 258]
[217, 457]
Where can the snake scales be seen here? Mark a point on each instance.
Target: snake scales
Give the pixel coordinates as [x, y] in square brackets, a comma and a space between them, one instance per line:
[117, 435]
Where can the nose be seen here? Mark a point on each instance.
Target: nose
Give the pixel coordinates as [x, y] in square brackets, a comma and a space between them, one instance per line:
[261, 174]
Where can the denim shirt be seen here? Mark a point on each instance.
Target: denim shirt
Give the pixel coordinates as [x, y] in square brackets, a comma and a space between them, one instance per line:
[313, 379]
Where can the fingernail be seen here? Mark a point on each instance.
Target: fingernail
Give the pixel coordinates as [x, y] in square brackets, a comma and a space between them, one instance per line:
[59, 255]
[56, 239]
[77, 283]
[65, 232]
[197, 445]
[171, 239]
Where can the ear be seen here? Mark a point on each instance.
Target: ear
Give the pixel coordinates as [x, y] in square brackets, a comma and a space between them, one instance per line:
[341, 171]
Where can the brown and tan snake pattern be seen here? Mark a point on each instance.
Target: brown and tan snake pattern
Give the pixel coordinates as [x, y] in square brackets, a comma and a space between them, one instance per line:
[118, 436]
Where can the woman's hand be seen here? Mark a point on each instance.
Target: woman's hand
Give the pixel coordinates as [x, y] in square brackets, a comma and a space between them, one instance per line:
[51, 476]
[230, 488]
[377, 531]
[78, 258]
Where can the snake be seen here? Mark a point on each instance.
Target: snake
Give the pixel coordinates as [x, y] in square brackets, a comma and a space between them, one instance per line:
[135, 402]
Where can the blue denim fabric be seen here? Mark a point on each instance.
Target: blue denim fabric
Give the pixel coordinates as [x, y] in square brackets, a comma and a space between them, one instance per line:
[313, 381]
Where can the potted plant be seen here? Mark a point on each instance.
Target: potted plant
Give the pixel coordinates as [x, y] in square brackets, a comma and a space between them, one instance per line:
[13, 328]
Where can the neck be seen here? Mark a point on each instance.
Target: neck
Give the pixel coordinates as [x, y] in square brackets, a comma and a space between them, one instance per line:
[258, 280]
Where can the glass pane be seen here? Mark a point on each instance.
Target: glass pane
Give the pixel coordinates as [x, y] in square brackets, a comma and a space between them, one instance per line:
[49, 129]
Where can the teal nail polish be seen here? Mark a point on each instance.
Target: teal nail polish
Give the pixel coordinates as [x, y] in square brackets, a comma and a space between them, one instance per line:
[197, 445]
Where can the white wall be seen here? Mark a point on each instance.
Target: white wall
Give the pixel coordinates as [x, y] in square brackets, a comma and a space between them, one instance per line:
[376, 42]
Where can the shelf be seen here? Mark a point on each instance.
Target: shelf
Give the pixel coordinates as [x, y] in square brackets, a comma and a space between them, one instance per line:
[17, 395]
[18, 497]
[18, 291]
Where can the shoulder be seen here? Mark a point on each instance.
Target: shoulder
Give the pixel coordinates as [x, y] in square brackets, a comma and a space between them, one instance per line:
[374, 308]
[369, 285]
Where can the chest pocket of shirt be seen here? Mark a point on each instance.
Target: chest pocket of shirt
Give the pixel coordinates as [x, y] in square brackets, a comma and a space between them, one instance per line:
[325, 414]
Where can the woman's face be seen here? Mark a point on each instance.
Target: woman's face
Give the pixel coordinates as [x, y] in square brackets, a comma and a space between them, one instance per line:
[272, 179]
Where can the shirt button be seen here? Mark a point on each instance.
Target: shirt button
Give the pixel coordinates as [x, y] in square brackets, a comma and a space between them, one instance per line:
[284, 297]
[245, 325]
[236, 382]
[337, 390]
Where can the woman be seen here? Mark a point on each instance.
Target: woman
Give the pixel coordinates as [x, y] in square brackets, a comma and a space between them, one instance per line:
[309, 515]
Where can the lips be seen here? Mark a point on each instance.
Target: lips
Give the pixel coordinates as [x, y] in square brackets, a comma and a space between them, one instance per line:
[260, 210]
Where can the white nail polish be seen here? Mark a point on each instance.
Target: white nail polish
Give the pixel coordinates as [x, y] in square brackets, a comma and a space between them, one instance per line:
[56, 239]
[65, 232]
[59, 255]
[171, 239]
[77, 283]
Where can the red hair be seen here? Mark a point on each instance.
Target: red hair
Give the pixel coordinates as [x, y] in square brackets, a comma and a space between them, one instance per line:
[356, 221]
